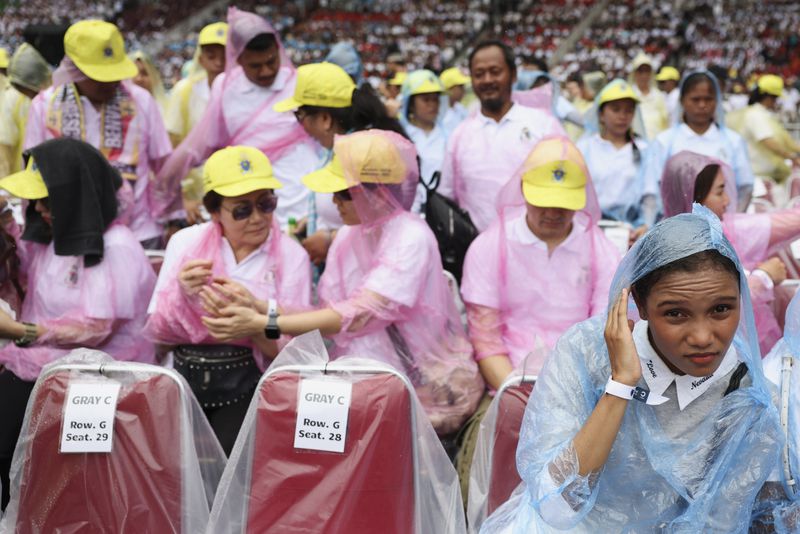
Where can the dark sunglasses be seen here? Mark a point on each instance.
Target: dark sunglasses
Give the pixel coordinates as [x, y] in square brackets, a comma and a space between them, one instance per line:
[265, 204]
[343, 195]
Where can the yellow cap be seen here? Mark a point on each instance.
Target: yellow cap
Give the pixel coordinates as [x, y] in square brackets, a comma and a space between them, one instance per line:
[555, 178]
[27, 184]
[3, 58]
[398, 78]
[320, 84]
[667, 74]
[373, 158]
[617, 90]
[97, 48]
[422, 82]
[640, 60]
[238, 170]
[452, 77]
[771, 85]
[214, 33]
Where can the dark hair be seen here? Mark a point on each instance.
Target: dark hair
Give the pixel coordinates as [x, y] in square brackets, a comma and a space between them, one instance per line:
[508, 53]
[707, 259]
[539, 62]
[212, 201]
[575, 77]
[365, 113]
[696, 79]
[262, 42]
[705, 179]
[756, 96]
[629, 137]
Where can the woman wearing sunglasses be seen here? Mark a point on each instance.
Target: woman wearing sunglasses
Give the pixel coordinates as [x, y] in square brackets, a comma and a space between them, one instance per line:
[243, 255]
[383, 294]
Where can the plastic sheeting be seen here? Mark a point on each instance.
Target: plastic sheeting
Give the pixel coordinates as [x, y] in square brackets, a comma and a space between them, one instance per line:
[704, 480]
[393, 475]
[160, 476]
[346, 56]
[493, 474]
[780, 507]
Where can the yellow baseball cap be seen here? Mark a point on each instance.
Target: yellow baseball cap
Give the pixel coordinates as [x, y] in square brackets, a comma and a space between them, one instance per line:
[666, 74]
[320, 84]
[371, 159]
[398, 78]
[555, 177]
[97, 48]
[27, 184]
[771, 85]
[452, 77]
[422, 82]
[3, 58]
[617, 90]
[238, 170]
[214, 33]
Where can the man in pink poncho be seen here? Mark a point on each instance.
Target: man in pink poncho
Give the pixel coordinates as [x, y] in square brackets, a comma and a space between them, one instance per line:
[88, 280]
[258, 74]
[241, 251]
[383, 292]
[543, 266]
[92, 99]
[489, 145]
[689, 177]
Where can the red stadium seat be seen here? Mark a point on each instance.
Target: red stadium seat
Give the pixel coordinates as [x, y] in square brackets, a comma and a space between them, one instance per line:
[138, 487]
[513, 398]
[368, 488]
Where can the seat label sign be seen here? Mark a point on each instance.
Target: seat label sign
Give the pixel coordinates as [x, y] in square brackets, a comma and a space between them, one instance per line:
[322, 414]
[89, 410]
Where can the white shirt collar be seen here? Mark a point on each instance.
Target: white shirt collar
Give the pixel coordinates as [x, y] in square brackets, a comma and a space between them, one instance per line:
[688, 132]
[511, 115]
[659, 377]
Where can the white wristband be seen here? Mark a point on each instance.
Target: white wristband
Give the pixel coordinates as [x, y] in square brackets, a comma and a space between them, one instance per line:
[627, 392]
[272, 307]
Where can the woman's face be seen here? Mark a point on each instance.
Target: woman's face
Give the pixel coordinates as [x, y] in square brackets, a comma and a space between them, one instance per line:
[692, 318]
[142, 78]
[426, 108]
[346, 206]
[717, 199]
[246, 219]
[699, 104]
[617, 116]
[43, 208]
[319, 125]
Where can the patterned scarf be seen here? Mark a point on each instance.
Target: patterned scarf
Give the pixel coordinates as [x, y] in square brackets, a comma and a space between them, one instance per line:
[65, 118]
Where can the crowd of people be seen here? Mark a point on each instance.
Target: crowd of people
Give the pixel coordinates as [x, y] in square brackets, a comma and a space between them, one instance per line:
[607, 242]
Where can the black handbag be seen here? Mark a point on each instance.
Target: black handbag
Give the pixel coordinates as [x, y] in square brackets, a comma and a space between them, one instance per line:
[219, 375]
[451, 225]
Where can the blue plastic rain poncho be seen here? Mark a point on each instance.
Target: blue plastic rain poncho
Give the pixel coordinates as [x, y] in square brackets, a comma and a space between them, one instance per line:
[694, 470]
[781, 505]
[346, 56]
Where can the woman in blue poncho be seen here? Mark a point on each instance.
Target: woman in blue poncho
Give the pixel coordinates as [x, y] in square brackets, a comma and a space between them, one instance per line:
[668, 425]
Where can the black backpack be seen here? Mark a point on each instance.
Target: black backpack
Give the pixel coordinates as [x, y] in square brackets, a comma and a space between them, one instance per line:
[451, 225]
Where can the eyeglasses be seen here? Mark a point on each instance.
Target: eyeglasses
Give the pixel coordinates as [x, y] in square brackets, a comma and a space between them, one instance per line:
[265, 204]
[343, 195]
[300, 114]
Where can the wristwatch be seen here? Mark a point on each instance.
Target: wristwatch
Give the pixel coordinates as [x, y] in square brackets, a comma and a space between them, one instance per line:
[28, 337]
[272, 331]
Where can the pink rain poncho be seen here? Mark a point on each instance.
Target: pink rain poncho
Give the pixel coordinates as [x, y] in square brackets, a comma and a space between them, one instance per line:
[384, 277]
[175, 317]
[519, 297]
[88, 279]
[755, 237]
[212, 132]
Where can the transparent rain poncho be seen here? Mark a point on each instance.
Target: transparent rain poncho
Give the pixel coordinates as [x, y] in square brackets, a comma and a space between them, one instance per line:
[160, 476]
[520, 297]
[211, 133]
[755, 236]
[384, 277]
[339, 501]
[704, 480]
[780, 507]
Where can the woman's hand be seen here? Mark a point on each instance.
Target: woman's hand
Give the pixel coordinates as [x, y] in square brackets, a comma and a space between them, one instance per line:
[235, 322]
[194, 275]
[636, 233]
[625, 365]
[225, 292]
[317, 245]
[775, 268]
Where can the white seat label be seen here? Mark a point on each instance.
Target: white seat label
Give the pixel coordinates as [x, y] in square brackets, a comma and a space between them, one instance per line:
[88, 424]
[322, 415]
